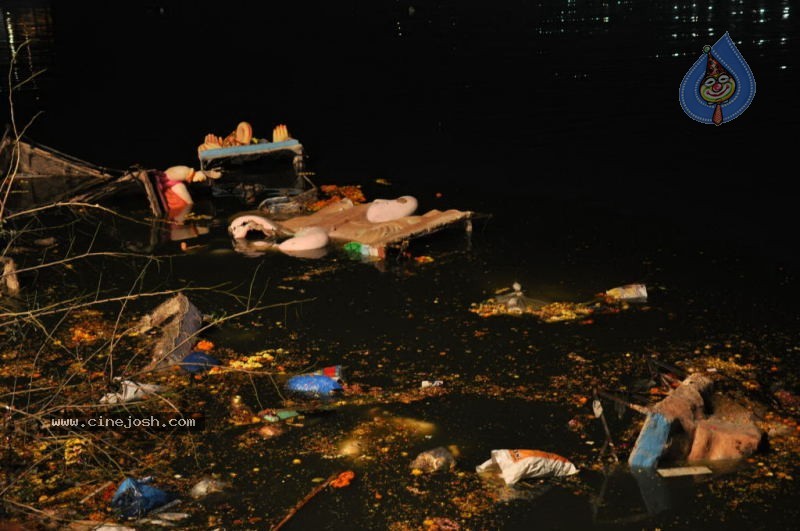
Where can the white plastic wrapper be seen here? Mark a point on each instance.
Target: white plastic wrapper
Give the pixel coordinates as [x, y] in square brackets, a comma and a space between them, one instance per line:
[515, 465]
[130, 392]
[629, 292]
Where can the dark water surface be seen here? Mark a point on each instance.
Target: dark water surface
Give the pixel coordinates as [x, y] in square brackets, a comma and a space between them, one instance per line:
[560, 119]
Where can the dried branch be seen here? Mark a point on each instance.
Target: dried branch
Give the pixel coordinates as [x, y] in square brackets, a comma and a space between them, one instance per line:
[72, 204]
[68, 305]
[88, 255]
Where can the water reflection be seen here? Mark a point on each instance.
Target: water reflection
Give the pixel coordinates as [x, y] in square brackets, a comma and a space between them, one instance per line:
[26, 28]
[682, 23]
[452, 27]
[190, 227]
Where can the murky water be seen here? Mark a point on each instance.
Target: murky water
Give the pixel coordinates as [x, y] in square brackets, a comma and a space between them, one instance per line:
[488, 108]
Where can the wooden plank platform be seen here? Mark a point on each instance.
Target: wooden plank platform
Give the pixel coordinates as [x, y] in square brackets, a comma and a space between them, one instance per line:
[345, 222]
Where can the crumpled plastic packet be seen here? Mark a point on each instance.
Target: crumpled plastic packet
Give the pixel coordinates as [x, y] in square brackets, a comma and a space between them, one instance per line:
[515, 465]
[313, 385]
[135, 498]
[131, 391]
[628, 292]
[198, 361]
[437, 460]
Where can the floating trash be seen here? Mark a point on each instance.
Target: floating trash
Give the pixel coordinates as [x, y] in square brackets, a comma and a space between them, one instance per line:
[130, 391]
[683, 471]
[135, 498]
[343, 479]
[517, 302]
[198, 361]
[514, 465]
[437, 460]
[333, 371]
[277, 415]
[313, 385]
[629, 292]
[206, 486]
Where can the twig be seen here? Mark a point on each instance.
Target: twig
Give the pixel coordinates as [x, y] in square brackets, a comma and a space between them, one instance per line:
[95, 491]
[75, 204]
[112, 343]
[61, 305]
[86, 255]
[609, 442]
[316, 490]
[217, 322]
[33, 466]
[8, 180]
[644, 410]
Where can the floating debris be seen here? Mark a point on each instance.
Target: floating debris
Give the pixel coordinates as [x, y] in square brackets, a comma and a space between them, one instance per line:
[629, 292]
[514, 465]
[437, 460]
[336, 193]
[136, 498]
[516, 303]
[179, 320]
[131, 391]
[207, 486]
[683, 471]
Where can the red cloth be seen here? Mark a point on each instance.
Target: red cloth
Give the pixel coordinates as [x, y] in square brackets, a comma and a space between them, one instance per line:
[173, 202]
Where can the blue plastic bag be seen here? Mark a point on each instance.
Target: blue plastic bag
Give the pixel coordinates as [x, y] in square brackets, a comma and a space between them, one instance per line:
[198, 361]
[313, 385]
[135, 498]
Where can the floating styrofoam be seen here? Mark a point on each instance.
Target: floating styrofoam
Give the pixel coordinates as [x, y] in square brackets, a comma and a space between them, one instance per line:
[390, 209]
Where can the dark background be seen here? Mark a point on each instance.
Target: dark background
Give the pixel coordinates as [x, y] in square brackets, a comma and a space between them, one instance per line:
[510, 104]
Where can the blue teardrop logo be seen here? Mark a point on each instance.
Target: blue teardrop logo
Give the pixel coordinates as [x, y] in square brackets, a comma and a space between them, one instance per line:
[719, 86]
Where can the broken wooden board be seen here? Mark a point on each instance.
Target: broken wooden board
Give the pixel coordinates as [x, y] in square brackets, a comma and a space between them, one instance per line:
[345, 222]
[34, 160]
[44, 175]
[683, 471]
[158, 205]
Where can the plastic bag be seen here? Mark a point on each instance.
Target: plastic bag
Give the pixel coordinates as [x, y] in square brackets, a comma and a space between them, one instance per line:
[437, 460]
[628, 292]
[135, 498]
[515, 465]
[198, 361]
[130, 391]
[313, 385]
[206, 486]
